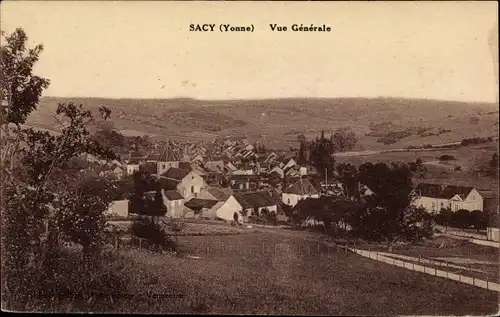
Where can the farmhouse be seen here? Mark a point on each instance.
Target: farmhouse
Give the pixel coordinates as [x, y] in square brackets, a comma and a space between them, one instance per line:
[132, 167]
[434, 197]
[253, 203]
[174, 203]
[493, 231]
[187, 183]
[299, 190]
[225, 210]
[118, 208]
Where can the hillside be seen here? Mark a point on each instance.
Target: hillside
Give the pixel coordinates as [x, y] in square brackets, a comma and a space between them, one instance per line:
[279, 121]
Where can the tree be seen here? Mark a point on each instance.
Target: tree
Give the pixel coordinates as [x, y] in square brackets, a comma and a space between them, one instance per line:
[348, 175]
[35, 191]
[321, 155]
[390, 214]
[302, 157]
[344, 140]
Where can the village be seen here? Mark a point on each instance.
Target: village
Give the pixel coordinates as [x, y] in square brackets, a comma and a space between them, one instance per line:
[234, 181]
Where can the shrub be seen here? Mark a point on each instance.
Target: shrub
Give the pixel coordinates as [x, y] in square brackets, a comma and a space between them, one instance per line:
[458, 168]
[447, 157]
[154, 233]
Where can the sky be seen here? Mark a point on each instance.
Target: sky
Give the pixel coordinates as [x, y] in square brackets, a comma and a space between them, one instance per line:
[434, 50]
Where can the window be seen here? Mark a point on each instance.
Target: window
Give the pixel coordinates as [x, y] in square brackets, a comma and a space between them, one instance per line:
[289, 201]
[442, 204]
[163, 166]
[192, 189]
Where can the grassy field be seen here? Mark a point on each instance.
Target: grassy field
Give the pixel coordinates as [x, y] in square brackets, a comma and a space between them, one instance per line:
[469, 158]
[266, 272]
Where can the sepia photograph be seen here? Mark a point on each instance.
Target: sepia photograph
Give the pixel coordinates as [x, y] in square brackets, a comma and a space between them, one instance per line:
[250, 158]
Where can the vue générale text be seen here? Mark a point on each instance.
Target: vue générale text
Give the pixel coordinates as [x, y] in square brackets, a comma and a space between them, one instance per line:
[301, 28]
[250, 28]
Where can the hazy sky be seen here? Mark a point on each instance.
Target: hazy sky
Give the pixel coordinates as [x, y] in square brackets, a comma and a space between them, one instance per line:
[145, 49]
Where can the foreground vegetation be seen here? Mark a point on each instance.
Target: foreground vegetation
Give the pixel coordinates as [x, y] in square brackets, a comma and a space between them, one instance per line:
[270, 273]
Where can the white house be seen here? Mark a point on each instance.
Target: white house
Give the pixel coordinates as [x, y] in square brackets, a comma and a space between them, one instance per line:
[118, 208]
[253, 203]
[300, 190]
[493, 231]
[225, 210]
[132, 167]
[434, 197]
[174, 203]
[188, 183]
[291, 163]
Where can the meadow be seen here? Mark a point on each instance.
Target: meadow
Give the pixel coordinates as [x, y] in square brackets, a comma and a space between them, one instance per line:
[280, 272]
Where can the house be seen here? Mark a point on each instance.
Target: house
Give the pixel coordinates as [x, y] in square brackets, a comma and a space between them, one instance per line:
[187, 183]
[291, 163]
[271, 157]
[298, 191]
[253, 203]
[278, 170]
[174, 203]
[434, 197]
[492, 230]
[118, 208]
[132, 167]
[225, 210]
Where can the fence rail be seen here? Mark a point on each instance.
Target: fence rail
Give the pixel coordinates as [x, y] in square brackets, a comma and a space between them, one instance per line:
[428, 270]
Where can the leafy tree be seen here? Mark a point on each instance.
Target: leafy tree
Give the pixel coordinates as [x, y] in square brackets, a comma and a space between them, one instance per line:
[321, 155]
[302, 157]
[348, 175]
[390, 215]
[34, 191]
[344, 140]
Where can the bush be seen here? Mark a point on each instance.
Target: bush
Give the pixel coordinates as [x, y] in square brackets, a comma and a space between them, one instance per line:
[458, 168]
[145, 228]
[447, 157]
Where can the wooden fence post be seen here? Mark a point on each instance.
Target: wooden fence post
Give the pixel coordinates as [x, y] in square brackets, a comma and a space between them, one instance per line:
[116, 242]
[318, 249]
[140, 243]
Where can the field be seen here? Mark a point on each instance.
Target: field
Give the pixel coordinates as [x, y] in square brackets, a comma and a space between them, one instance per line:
[278, 122]
[278, 272]
[469, 158]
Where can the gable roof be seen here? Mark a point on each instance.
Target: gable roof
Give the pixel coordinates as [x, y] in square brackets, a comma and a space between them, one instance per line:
[255, 199]
[302, 187]
[168, 184]
[219, 193]
[175, 173]
[197, 203]
[443, 192]
[173, 195]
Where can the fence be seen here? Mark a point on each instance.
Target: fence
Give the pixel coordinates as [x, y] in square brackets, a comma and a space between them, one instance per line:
[428, 270]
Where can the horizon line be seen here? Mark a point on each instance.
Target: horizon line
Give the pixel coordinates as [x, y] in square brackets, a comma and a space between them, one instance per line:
[272, 98]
